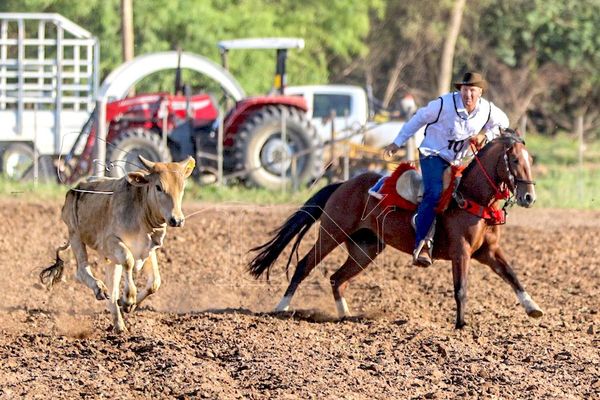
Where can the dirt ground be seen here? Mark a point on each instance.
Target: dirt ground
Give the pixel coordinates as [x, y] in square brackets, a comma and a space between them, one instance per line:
[207, 333]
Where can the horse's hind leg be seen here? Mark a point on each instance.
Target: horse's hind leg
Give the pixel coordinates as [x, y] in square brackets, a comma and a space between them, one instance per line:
[491, 254]
[363, 246]
[324, 245]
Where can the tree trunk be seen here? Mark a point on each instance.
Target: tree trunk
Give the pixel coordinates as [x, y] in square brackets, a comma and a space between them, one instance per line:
[127, 29]
[127, 34]
[445, 76]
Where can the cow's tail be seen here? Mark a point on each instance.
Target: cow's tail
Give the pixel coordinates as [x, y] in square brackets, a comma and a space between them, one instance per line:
[49, 276]
[297, 224]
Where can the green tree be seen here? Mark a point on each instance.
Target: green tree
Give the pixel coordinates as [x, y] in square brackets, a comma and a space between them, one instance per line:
[334, 32]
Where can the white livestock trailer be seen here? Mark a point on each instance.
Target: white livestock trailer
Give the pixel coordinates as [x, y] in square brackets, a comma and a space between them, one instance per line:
[48, 83]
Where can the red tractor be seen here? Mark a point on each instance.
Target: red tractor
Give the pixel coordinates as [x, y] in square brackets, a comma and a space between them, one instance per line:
[164, 127]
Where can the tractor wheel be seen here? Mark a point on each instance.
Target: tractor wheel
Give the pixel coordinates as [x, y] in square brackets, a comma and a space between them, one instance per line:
[17, 161]
[260, 150]
[123, 151]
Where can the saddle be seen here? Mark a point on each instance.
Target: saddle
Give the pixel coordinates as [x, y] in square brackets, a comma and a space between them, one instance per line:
[404, 188]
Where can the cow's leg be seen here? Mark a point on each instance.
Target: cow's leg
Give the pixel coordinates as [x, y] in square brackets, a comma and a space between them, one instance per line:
[113, 275]
[121, 255]
[84, 271]
[493, 256]
[151, 267]
[363, 247]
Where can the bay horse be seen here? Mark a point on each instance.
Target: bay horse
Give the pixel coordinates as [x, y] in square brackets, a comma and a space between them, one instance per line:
[350, 216]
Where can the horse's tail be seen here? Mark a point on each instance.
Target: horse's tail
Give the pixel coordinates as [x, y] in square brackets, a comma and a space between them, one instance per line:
[297, 224]
[49, 276]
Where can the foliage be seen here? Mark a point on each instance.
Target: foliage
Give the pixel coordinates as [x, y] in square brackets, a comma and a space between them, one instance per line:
[540, 56]
[331, 30]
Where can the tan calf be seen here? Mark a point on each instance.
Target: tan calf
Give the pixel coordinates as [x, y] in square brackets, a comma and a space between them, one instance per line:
[125, 221]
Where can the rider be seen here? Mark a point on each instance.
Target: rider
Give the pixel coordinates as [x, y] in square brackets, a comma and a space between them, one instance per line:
[450, 121]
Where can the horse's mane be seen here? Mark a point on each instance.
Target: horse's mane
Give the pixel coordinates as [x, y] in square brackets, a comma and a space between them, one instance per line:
[508, 137]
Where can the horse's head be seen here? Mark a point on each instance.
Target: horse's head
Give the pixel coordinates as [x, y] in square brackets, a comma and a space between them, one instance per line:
[515, 169]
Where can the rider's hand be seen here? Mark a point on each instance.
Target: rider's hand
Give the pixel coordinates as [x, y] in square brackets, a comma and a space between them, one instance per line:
[390, 149]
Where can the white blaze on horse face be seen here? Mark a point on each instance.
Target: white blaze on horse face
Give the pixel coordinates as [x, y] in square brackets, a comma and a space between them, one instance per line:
[526, 158]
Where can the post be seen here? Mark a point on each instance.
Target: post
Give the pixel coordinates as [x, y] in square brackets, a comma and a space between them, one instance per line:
[581, 149]
[332, 142]
[100, 153]
[36, 171]
[283, 157]
[220, 149]
[346, 149]
[579, 130]
[294, 172]
[523, 125]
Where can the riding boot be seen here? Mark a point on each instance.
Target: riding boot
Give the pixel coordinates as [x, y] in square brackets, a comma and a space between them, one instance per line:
[422, 254]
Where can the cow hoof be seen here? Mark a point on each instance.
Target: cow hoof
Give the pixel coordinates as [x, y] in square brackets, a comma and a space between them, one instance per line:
[535, 313]
[126, 306]
[101, 291]
[120, 329]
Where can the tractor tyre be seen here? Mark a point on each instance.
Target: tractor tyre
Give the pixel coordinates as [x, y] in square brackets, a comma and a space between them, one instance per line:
[122, 151]
[259, 150]
[17, 161]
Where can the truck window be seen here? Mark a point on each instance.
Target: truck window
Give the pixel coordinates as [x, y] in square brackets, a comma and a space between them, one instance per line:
[324, 103]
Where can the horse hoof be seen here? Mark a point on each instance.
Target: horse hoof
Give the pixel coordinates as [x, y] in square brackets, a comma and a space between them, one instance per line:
[460, 325]
[535, 313]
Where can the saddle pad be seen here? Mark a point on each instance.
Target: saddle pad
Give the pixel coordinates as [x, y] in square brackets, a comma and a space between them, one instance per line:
[392, 198]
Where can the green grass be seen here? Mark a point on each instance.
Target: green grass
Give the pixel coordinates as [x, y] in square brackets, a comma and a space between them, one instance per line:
[561, 181]
[562, 149]
[241, 194]
[568, 187]
[237, 194]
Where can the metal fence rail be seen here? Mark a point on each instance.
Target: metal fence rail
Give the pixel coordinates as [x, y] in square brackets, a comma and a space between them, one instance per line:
[46, 63]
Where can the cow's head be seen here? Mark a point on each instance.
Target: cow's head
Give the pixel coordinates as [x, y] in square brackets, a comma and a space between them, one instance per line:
[166, 183]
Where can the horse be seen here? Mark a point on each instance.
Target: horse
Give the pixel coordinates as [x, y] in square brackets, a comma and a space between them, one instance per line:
[349, 215]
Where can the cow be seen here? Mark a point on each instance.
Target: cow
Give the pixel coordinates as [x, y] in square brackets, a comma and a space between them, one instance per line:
[124, 220]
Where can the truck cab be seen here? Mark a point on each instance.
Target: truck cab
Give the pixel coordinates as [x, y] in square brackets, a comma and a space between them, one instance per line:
[350, 107]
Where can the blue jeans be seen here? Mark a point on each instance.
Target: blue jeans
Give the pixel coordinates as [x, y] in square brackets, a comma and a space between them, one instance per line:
[432, 168]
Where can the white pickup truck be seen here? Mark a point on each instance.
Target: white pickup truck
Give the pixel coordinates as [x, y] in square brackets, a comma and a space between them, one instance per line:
[351, 115]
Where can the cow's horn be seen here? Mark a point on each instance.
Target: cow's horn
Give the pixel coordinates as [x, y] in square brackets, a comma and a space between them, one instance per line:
[147, 163]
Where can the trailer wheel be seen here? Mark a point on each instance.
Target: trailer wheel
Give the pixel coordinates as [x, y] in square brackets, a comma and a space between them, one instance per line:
[123, 151]
[17, 161]
[260, 150]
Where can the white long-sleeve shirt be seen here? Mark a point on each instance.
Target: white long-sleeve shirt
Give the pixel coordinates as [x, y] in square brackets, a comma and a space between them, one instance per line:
[448, 126]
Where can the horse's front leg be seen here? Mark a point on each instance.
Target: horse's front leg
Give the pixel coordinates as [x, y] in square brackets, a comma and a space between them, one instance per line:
[491, 255]
[460, 272]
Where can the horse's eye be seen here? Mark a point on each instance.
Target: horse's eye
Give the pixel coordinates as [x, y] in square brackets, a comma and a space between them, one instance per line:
[158, 188]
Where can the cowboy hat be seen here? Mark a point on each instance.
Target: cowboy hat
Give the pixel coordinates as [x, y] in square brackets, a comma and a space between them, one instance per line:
[472, 79]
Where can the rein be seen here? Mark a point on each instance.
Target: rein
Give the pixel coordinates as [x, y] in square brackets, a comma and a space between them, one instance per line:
[491, 214]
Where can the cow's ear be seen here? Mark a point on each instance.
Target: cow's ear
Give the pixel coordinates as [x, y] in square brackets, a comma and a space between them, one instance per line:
[188, 166]
[137, 178]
